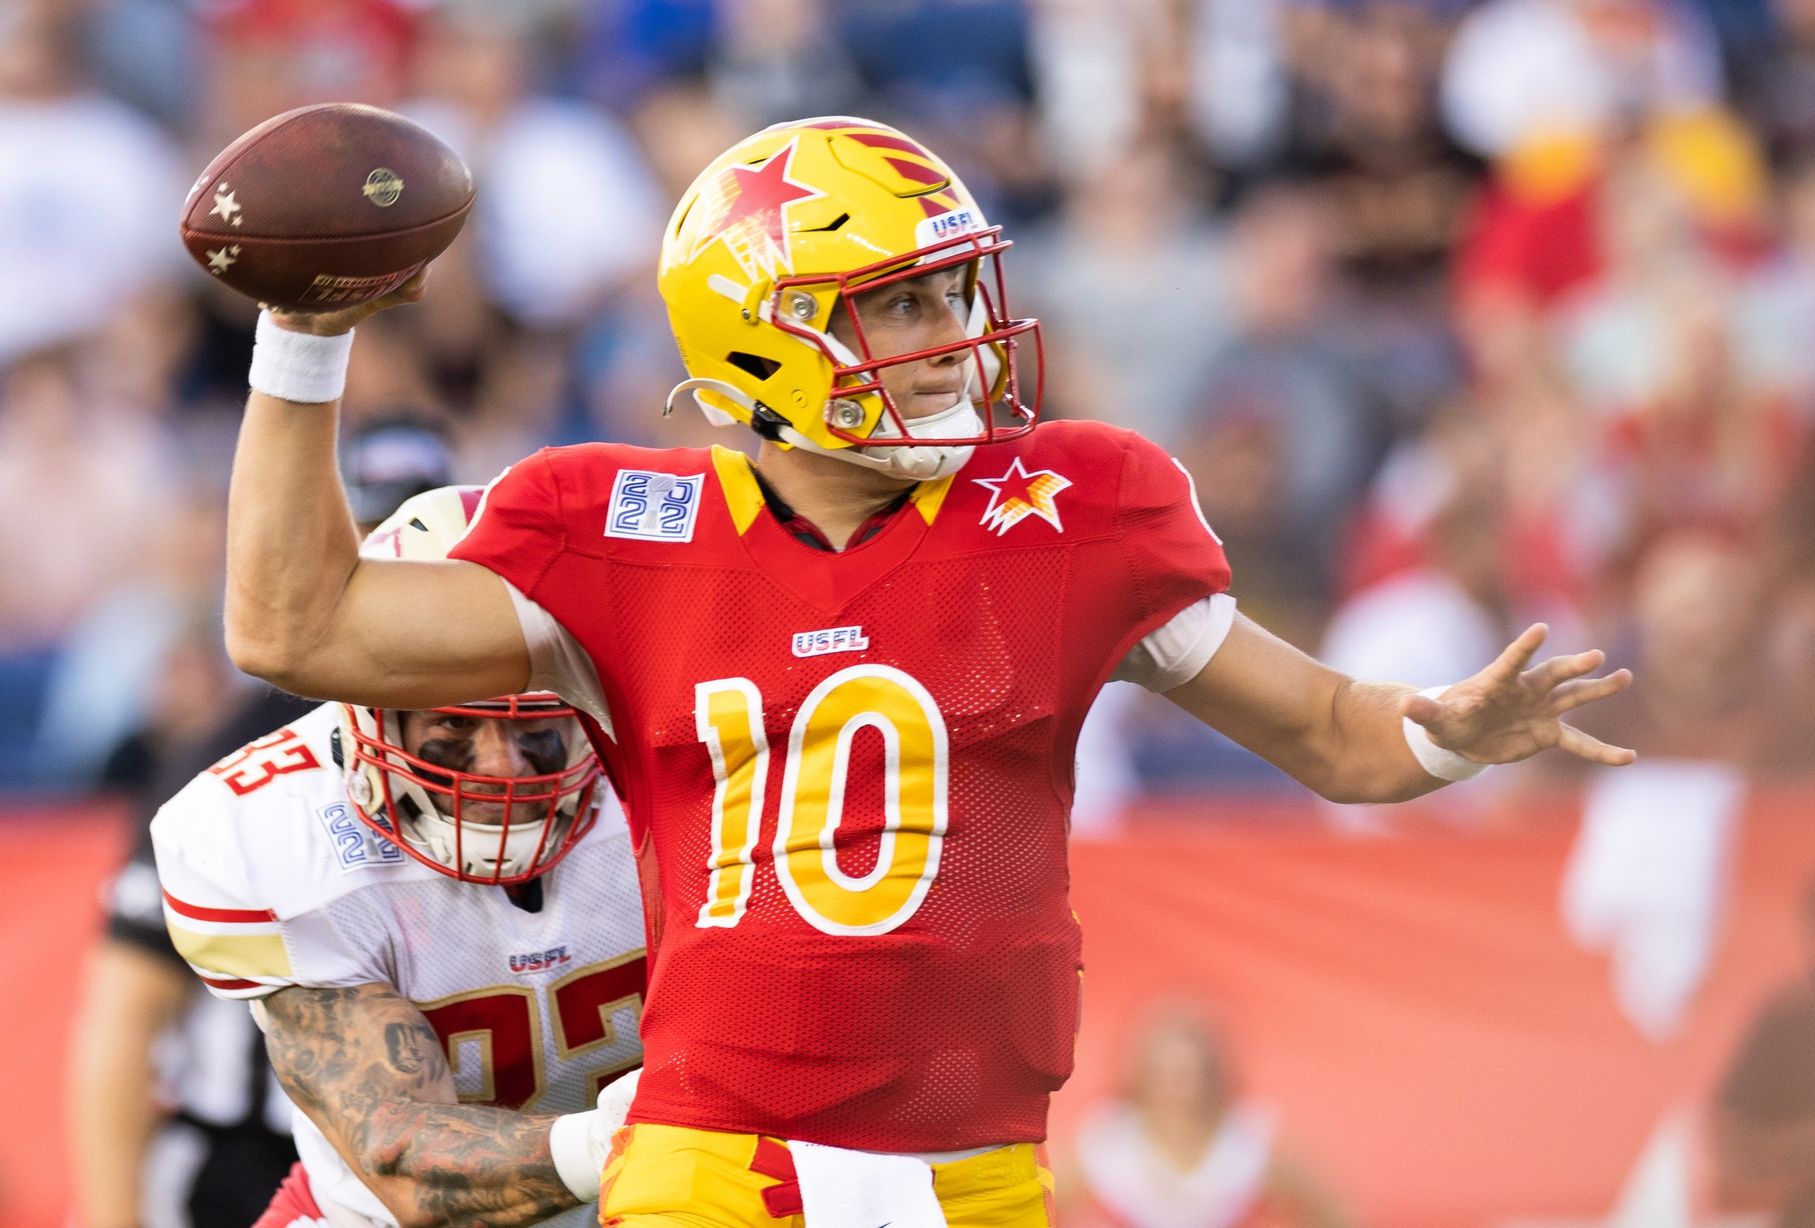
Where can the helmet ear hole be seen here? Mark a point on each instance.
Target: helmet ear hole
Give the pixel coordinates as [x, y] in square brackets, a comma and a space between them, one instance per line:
[753, 364]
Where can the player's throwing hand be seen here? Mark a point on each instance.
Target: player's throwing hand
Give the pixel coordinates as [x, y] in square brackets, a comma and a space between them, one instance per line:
[346, 319]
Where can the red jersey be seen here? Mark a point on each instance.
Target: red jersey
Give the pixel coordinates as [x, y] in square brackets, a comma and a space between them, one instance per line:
[849, 774]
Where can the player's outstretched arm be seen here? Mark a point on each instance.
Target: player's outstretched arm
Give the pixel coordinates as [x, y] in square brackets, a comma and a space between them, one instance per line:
[1346, 739]
[366, 1067]
[305, 613]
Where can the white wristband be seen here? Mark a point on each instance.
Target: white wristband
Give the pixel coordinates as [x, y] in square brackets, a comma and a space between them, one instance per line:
[577, 1162]
[581, 1142]
[1439, 762]
[300, 367]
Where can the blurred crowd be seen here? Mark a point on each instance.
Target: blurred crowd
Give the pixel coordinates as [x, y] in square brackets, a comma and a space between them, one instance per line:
[1462, 314]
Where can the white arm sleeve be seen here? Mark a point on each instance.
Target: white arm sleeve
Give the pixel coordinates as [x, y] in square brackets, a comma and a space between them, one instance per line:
[1171, 655]
[557, 662]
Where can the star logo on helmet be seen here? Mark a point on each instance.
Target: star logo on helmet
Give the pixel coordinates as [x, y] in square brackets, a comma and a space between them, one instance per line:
[1018, 494]
[752, 204]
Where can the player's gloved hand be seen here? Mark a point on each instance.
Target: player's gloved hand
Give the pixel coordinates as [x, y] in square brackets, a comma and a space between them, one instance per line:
[345, 319]
[580, 1142]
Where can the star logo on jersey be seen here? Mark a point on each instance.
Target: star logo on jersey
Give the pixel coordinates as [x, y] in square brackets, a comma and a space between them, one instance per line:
[1018, 494]
[751, 203]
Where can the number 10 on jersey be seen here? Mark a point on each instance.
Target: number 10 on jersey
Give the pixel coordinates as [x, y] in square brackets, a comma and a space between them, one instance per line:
[728, 714]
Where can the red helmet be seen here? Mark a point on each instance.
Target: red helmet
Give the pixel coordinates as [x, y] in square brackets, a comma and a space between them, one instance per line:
[477, 827]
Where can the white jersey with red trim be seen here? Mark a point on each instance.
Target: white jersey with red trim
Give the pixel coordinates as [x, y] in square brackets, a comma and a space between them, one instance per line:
[271, 881]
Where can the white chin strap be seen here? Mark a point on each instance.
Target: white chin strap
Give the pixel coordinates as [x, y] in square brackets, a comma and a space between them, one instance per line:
[918, 463]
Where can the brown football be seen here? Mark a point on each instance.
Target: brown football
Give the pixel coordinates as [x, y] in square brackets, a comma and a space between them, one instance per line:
[326, 206]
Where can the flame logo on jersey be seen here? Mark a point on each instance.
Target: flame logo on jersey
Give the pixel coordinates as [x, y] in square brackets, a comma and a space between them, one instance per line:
[751, 204]
[1018, 494]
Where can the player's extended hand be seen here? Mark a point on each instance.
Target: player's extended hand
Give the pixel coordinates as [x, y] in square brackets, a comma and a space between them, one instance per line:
[1508, 712]
[346, 319]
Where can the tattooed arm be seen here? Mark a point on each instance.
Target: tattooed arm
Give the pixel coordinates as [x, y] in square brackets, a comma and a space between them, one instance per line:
[366, 1067]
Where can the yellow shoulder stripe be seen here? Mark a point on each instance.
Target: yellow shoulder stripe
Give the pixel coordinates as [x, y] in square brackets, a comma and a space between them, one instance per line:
[743, 496]
[245, 955]
[930, 496]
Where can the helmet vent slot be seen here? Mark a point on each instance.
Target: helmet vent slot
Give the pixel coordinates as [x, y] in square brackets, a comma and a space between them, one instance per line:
[835, 224]
[753, 364]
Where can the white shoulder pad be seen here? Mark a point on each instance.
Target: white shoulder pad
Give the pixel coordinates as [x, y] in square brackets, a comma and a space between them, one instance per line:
[251, 849]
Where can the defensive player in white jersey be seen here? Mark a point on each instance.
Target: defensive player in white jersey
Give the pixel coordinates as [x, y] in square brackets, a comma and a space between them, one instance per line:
[436, 916]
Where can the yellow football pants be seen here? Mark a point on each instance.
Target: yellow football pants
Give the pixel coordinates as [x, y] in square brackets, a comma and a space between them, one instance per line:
[675, 1177]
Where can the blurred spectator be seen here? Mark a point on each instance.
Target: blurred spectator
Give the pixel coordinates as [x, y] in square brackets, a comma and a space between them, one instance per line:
[681, 127]
[779, 59]
[1131, 282]
[81, 493]
[270, 56]
[1204, 75]
[1105, 780]
[1183, 1148]
[1287, 397]
[1647, 878]
[1774, 311]
[1764, 1114]
[1085, 59]
[88, 188]
[1695, 608]
[1398, 193]
[1524, 69]
[1774, 79]
[1397, 186]
[1707, 449]
[1680, 194]
[1233, 88]
[146, 54]
[959, 74]
[114, 656]
[1658, 268]
[569, 213]
[1789, 664]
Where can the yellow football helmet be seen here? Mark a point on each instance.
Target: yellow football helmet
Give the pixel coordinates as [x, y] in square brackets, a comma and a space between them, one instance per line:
[777, 235]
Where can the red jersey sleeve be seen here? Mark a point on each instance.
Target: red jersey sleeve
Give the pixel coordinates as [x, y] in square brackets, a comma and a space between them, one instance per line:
[519, 528]
[1174, 557]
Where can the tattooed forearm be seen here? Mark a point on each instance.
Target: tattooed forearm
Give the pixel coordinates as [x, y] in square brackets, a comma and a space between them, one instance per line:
[367, 1068]
[415, 1050]
[474, 1161]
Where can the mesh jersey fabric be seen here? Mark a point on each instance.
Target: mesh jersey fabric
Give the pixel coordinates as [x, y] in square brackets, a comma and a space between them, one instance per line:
[861, 760]
[269, 883]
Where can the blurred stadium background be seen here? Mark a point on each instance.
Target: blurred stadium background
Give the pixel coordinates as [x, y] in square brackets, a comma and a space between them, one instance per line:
[1463, 314]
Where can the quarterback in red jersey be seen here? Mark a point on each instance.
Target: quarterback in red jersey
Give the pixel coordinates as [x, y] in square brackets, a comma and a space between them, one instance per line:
[838, 687]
